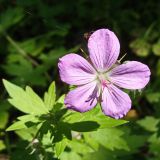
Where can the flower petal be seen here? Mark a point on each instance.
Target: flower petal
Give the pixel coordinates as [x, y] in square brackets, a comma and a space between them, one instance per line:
[132, 75]
[82, 98]
[104, 49]
[115, 103]
[75, 70]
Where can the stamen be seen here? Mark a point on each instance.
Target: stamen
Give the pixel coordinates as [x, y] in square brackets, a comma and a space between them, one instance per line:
[119, 61]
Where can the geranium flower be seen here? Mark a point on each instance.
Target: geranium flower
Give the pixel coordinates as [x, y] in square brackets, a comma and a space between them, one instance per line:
[100, 78]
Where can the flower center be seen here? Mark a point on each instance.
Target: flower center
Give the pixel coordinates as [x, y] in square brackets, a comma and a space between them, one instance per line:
[103, 79]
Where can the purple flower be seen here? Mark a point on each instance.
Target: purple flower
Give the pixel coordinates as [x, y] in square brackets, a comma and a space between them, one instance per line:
[99, 79]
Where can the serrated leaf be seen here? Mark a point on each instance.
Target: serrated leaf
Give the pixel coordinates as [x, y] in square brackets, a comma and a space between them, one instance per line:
[89, 140]
[36, 100]
[110, 138]
[149, 123]
[50, 96]
[61, 99]
[94, 115]
[16, 125]
[26, 101]
[60, 146]
[24, 122]
[79, 147]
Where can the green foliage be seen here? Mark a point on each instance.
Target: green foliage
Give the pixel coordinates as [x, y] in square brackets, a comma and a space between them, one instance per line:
[149, 123]
[60, 146]
[33, 36]
[111, 137]
[140, 47]
[26, 100]
[50, 96]
[50, 118]
[3, 119]
[10, 17]
[2, 145]
[156, 48]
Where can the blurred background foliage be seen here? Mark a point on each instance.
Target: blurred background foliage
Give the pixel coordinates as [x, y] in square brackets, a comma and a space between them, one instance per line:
[35, 33]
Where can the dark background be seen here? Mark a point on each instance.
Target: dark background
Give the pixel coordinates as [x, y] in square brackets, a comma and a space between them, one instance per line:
[35, 33]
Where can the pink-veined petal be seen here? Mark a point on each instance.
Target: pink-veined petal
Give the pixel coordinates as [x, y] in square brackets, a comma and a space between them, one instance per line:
[82, 98]
[103, 48]
[115, 103]
[75, 70]
[131, 75]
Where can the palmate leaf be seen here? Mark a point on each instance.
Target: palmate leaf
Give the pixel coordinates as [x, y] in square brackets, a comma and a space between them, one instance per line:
[96, 116]
[26, 101]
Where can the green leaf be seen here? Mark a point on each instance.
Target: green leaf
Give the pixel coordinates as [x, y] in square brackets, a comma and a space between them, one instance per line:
[153, 97]
[140, 47]
[26, 101]
[10, 17]
[2, 145]
[90, 141]
[70, 156]
[94, 115]
[101, 154]
[28, 117]
[107, 122]
[110, 138]
[61, 99]
[156, 48]
[85, 126]
[27, 133]
[3, 119]
[50, 96]
[60, 146]
[79, 147]
[154, 147]
[149, 123]
[23, 123]
[16, 125]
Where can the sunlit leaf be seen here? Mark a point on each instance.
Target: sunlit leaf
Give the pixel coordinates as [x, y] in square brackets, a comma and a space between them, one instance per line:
[60, 146]
[26, 101]
[50, 96]
[94, 115]
[23, 122]
[111, 138]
